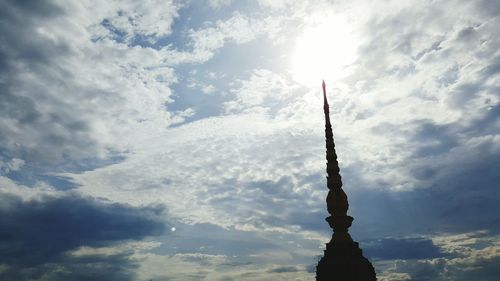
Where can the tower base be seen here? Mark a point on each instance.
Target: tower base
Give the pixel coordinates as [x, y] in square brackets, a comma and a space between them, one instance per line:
[344, 261]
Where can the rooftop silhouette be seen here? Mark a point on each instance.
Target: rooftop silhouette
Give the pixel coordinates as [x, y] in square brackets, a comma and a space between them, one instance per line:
[343, 259]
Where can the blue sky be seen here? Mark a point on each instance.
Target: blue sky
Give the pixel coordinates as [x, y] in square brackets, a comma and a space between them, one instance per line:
[184, 140]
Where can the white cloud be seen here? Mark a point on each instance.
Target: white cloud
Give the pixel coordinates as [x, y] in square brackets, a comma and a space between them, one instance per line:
[263, 89]
[237, 29]
[36, 192]
[11, 165]
[208, 89]
[148, 18]
[124, 248]
[80, 101]
[211, 166]
[208, 162]
[217, 4]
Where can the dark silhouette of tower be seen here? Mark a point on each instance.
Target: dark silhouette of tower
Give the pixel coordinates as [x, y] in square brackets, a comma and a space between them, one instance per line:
[343, 259]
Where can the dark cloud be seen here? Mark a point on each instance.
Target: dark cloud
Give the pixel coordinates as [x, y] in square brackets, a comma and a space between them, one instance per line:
[212, 239]
[38, 234]
[402, 248]
[36, 176]
[310, 220]
[482, 269]
[453, 167]
[37, 124]
[489, 7]
[461, 174]
[433, 139]
[423, 270]
[468, 194]
[285, 269]
[89, 268]
[459, 194]
[455, 179]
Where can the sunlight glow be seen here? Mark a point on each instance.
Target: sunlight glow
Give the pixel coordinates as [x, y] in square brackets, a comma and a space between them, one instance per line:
[323, 50]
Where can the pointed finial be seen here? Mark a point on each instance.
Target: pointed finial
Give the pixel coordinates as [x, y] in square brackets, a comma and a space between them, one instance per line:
[325, 100]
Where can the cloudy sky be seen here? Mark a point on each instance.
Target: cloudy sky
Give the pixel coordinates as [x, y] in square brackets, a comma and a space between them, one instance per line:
[183, 140]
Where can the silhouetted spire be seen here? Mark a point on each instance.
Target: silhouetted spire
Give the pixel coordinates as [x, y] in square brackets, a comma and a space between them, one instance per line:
[338, 204]
[343, 259]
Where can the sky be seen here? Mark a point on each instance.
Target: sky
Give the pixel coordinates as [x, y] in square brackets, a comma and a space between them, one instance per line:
[184, 140]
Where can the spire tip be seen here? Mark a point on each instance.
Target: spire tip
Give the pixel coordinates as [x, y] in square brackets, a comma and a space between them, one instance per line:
[325, 100]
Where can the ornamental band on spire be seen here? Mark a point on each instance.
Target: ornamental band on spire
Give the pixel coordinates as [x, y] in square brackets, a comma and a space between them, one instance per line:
[343, 259]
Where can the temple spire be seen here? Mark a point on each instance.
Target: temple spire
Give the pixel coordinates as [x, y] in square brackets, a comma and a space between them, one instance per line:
[336, 200]
[343, 259]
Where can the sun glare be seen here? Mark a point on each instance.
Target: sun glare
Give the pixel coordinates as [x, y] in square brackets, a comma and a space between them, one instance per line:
[322, 51]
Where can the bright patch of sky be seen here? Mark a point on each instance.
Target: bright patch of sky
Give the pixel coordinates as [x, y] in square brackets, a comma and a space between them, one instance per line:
[196, 128]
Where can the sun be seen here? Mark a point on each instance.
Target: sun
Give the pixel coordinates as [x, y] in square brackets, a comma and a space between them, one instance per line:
[323, 50]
